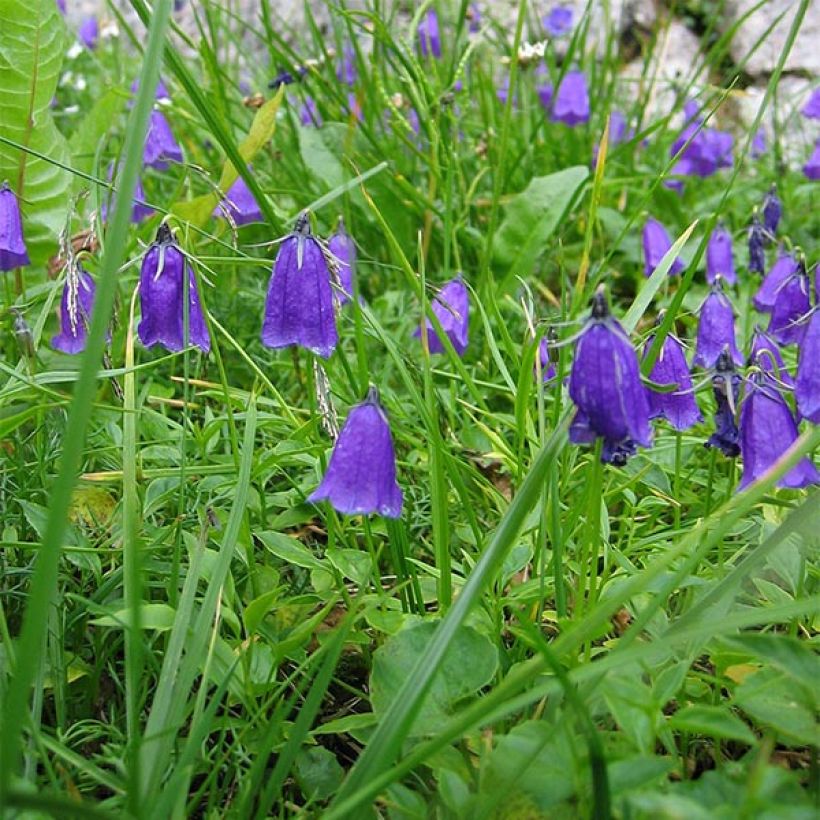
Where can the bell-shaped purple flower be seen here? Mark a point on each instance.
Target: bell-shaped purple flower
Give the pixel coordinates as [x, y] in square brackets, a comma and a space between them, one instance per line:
[605, 384]
[812, 168]
[719, 257]
[429, 36]
[812, 108]
[309, 112]
[545, 349]
[765, 353]
[757, 240]
[160, 145]
[299, 308]
[13, 253]
[344, 250]
[759, 143]
[784, 267]
[725, 388]
[361, 476]
[240, 204]
[679, 407]
[791, 306]
[571, 103]
[716, 330]
[89, 32]
[139, 211]
[346, 70]
[767, 430]
[474, 18]
[161, 92]
[452, 308]
[162, 298]
[76, 305]
[807, 383]
[559, 21]
[772, 210]
[656, 243]
[543, 87]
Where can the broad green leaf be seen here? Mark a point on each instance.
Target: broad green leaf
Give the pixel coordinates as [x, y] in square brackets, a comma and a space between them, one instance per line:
[317, 772]
[290, 550]
[713, 721]
[788, 654]
[318, 157]
[32, 44]
[469, 664]
[531, 218]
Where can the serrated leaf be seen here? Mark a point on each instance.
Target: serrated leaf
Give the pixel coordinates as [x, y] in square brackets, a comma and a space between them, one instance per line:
[531, 218]
[32, 44]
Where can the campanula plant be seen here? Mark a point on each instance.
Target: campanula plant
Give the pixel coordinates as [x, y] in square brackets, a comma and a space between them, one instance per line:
[656, 243]
[716, 329]
[452, 308]
[13, 252]
[76, 304]
[678, 406]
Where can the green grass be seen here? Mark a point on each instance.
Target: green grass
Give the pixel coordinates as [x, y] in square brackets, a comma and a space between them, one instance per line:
[538, 635]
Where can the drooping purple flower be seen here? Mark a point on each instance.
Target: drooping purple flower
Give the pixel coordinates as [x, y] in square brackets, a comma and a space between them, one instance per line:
[160, 145]
[785, 266]
[791, 306]
[76, 305]
[812, 168]
[162, 298]
[716, 330]
[161, 92]
[605, 384]
[429, 36]
[679, 407]
[767, 430]
[240, 204]
[299, 308]
[543, 87]
[765, 353]
[656, 243]
[13, 253]
[452, 308]
[812, 108]
[772, 209]
[309, 112]
[346, 69]
[719, 257]
[757, 255]
[559, 21]
[140, 209]
[474, 18]
[571, 103]
[89, 32]
[725, 388]
[545, 347]
[361, 476]
[344, 249]
[703, 150]
[759, 143]
[807, 383]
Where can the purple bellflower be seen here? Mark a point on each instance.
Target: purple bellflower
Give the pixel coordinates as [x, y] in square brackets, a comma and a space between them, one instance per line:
[807, 384]
[812, 168]
[89, 32]
[767, 430]
[361, 476]
[765, 353]
[309, 112]
[474, 18]
[545, 349]
[791, 306]
[346, 70]
[429, 36]
[139, 210]
[452, 309]
[76, 305]
[162, 298]
[785, 265]
[239, 203]
[656, 243]
[299, 308]
[13, 253]
[161, 92]
[543, 87]
[61, 6]
[559, 21]
[344, 249]
[757, 256]
[719, 257]
[605, 384]
[772, 210]
[571, 103]
[160, 145]
[716, 330]
[725, 388]
[812, 108]
[759, 143]
[702, 150]
[679, 407]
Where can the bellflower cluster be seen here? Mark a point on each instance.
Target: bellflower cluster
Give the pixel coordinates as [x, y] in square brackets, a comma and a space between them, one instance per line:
[716, 329]
[656, 243]
[767, 430]
[13, 252]
[571, 102]
[162, 297]
[605, 385]
[361, 476]
[719, 257]
[76, 305]
[452, 309]
[299, 308]
[678, 407]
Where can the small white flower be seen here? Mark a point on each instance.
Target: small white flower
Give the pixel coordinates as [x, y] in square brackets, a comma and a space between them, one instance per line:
[74, 51]
[109, 30]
